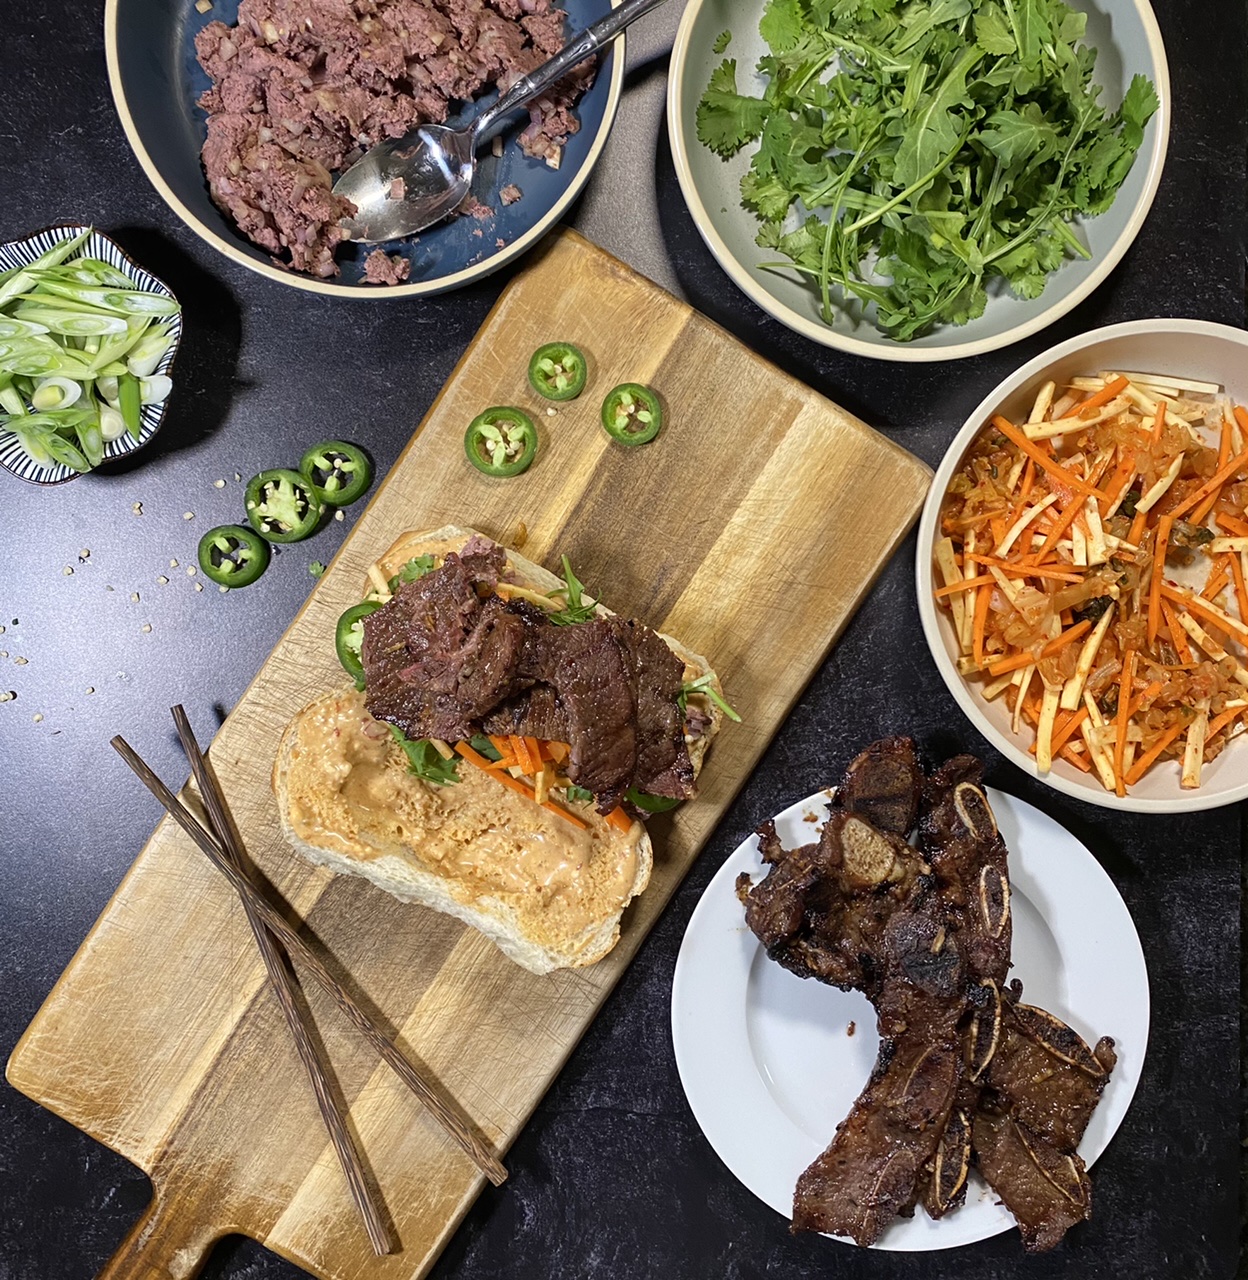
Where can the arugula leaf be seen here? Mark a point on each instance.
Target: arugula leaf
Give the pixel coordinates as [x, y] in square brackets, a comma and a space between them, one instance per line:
[577, 608]
[425, 761]
[913, 155]
[726, 120]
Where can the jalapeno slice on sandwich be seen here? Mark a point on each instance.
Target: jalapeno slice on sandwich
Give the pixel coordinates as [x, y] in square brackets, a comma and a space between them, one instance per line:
[557, 370]
[502, 441]
[338, 472]
[232, 556]
[647, 803]
[282, 505]
[349, 639]
[632, 414]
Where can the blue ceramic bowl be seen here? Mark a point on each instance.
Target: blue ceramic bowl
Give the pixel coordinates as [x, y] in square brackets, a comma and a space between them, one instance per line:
[20, 253]
[156, 82]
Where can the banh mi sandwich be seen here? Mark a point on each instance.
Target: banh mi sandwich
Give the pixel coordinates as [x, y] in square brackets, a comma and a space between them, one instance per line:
[506, 736]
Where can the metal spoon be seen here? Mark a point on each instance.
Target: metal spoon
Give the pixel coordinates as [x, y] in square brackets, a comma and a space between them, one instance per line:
[435, 163]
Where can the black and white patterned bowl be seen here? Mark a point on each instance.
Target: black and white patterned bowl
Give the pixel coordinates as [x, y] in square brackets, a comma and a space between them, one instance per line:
[20, 253]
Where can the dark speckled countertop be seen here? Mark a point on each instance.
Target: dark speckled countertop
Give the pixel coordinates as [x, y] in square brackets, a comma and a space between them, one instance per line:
[612, 1177]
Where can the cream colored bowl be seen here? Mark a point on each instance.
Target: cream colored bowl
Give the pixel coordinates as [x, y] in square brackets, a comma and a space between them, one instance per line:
[1183, 348]
[1127, 40]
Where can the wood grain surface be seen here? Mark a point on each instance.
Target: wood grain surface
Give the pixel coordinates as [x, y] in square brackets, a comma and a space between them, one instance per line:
[750, 529]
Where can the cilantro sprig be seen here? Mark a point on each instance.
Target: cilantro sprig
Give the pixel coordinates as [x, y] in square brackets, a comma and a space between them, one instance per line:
[912, 156]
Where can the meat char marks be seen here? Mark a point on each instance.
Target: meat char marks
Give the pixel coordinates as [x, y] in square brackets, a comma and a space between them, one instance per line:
[965, 1072]
[447, 658]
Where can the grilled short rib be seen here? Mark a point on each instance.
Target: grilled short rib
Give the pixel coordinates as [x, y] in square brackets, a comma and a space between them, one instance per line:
[963, 1070]
[446, 658]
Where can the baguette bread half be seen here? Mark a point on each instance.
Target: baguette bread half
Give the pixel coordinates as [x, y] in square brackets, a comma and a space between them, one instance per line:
[548, 893]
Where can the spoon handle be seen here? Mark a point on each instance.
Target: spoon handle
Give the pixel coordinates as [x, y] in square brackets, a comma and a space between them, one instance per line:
[572, 54]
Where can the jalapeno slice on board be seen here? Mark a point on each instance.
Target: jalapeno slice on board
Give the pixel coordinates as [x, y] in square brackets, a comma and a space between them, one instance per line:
[281, 505]
[349, 639]
[557, 370]
[502, 441]
[232, 556]
[338, 472]
[632, 414]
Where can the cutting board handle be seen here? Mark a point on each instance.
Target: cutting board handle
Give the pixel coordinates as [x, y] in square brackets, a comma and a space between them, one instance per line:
[161, 1246]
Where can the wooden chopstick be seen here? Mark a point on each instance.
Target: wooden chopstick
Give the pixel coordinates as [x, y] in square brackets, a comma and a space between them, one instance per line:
[444, 1110]
[282, 981]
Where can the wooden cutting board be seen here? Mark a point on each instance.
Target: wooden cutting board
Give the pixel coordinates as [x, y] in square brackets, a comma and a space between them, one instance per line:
[751, 528]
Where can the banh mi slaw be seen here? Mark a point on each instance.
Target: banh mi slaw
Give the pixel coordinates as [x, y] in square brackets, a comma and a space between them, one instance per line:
[1094, 563]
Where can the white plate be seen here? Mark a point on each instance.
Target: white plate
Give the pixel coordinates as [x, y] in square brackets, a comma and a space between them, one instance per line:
[768, 1065]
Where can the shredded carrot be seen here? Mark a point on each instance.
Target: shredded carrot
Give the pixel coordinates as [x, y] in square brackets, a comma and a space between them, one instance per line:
[1138, 525]
[967, 584]
[534, 748]
[1159, 422]
[1140, 767]
[1045, 460]
[1089, 406]
[1160, 545]
[558, 751]
[1177, 635]
[1119, 482]
[1028, 570]
[1218, 723]
[521, 753]
[1215, 484]
[1026, 659]
[1201, 513]
[1120, 728]
[620, 820]
[1231, 524]
[491, 767]
[1063, 731]
[1197, 605]
[1064, 521]
[1219, 576]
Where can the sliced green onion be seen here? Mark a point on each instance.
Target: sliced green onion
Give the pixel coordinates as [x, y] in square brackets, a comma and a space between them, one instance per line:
[147, 353]
[107, 388]
[10, 327]
[128, 400]
[91, 438]
[125, 301]
[55, 393]
[74, 324]
[112, 424]
[156, 389]
[22, 279]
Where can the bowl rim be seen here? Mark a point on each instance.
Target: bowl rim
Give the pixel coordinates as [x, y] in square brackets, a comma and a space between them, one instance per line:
[331, 288]
[924, 582]
[905, 352]
[167, 361]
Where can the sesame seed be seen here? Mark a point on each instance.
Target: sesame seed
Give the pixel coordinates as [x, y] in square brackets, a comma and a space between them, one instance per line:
[84, 555]
[238, 475]
[223, 590]
[4, 653]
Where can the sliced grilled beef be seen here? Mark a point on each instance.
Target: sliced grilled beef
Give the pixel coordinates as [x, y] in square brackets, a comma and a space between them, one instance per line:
[447, 658]
[883, 784]
[1039, 1094]
[964, 1070]
[868, 1174]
